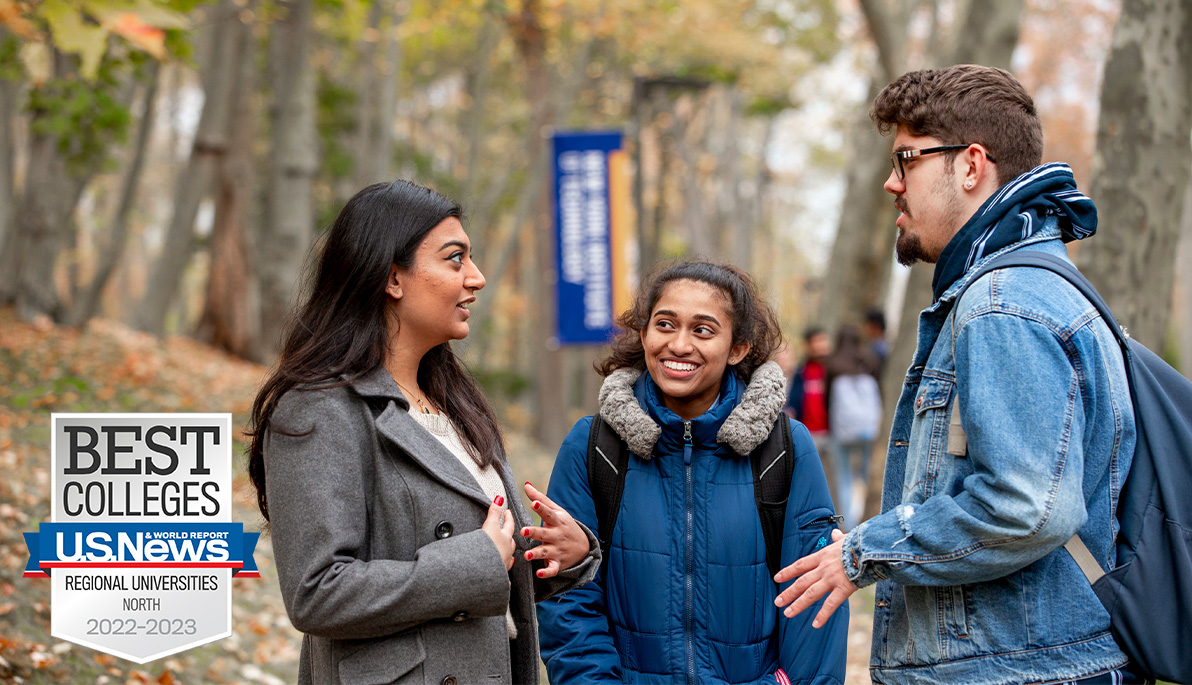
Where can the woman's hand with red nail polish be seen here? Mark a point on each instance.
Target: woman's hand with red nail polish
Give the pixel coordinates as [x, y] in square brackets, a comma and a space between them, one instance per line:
[564, 543]
[500, 531]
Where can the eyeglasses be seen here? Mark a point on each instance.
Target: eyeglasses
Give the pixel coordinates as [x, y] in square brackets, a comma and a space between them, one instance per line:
[897, 159]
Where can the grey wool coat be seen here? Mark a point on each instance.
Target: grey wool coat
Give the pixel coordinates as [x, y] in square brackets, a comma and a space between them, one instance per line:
[381, 559]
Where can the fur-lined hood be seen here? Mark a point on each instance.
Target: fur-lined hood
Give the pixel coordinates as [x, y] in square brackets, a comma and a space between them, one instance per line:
[745, 428]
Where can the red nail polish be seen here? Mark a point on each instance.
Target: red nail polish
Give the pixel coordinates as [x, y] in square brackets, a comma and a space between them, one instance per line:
[525, 532]
[529, 483]
[534, 506]
[529, 556]
[499, 501]
[541, 574]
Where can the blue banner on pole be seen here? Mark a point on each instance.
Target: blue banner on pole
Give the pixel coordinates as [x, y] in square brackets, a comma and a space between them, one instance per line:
[583, 235]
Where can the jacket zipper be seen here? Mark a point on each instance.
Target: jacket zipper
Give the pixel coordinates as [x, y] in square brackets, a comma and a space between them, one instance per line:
[689, 558]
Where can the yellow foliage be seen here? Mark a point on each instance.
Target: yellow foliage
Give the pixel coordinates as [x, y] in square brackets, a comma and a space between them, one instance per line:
[73, 33]
[83, 28]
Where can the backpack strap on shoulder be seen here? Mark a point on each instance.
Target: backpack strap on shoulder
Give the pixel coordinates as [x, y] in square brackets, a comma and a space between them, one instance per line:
[773, 462]
[608, 458]
[1041, 260]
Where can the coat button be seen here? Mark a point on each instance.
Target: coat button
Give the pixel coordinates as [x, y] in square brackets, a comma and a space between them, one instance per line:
[449, 680]
[459, 616]
[444, 530]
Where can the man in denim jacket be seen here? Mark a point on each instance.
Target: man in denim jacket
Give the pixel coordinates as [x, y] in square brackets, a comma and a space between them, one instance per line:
[1014, 430]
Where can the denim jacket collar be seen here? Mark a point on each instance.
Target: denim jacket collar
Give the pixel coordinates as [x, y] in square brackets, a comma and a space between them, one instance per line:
[1050, 231]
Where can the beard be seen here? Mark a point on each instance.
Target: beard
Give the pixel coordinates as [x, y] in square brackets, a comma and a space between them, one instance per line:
[909, 248]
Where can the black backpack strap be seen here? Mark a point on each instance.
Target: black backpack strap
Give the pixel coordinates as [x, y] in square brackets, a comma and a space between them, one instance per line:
[608, 458]
[773, 462]
[1064, 269]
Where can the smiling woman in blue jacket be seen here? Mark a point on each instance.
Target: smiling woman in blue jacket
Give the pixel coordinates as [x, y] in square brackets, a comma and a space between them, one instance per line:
[686, 596]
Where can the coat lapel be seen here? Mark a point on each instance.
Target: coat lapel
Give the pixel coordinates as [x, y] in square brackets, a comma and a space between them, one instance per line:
[397, 426]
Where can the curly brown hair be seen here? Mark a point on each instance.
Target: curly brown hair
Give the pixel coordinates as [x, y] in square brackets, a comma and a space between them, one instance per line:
[965, 104]
[753, 319]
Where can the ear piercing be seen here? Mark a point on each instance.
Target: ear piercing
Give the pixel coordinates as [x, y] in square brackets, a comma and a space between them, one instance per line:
[968, 184]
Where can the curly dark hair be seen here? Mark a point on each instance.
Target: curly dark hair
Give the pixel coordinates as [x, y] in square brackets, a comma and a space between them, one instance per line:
[964, 104]
[753, 319]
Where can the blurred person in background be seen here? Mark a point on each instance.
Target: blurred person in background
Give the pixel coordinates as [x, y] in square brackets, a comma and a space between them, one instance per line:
[806, 400]
[875, 329]
[854, 416]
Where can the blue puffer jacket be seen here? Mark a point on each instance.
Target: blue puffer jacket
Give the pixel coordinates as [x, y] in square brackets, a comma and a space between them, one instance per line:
[688, 597]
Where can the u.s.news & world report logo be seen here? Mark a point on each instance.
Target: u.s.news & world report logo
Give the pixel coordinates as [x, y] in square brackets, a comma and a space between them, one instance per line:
[140, 548]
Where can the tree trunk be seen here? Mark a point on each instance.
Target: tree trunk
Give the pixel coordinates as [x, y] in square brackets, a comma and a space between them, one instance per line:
[691, 114]
[1142, 164]
[289, 228]
[1183, 295]
[530, 38]
[379, 68]
[209, 148]
[478, 76]
[231, 311]
[37, 233]
[859, 265]
[732, 224]
[382, 161]
[8, 104]
[366, 99]
[990, 32]
[86, 304]
[759, 205]
[645, 163]
[42, 223]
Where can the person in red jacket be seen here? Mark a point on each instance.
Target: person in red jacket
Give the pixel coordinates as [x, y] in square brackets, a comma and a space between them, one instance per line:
[806, 401]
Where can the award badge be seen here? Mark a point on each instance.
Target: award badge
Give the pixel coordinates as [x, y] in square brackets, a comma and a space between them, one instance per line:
[141, 547]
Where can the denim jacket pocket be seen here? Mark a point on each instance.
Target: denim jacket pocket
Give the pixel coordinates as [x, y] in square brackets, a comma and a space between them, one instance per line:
[929, 427]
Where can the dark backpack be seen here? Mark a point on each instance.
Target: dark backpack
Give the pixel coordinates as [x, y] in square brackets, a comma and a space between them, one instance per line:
[1149, 593]
[773, 463]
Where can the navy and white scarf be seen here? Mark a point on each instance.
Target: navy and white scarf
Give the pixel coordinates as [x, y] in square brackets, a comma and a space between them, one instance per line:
[1015, 212]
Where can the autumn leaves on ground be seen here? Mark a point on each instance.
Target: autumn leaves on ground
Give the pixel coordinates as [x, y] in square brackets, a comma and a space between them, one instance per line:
[105, 367]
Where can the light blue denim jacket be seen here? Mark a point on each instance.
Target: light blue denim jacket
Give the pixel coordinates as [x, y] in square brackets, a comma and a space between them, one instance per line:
[976, 586]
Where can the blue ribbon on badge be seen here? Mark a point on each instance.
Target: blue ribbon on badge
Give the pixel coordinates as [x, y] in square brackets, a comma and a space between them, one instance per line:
[141, 545]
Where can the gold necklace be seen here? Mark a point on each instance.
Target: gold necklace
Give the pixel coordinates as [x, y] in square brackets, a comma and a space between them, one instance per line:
[409, 394]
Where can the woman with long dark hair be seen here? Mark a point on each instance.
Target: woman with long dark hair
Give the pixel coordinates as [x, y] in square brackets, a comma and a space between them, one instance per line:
[381, 469]
[686, 594]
